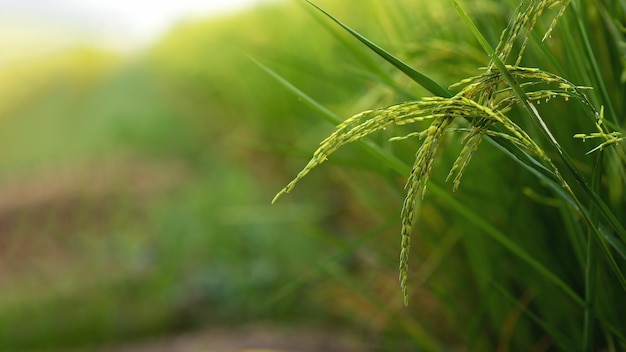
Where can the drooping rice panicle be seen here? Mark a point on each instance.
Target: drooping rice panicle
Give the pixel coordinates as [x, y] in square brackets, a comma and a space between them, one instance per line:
[478, 129]
[358, 127]
[484, 100]
[416, 185]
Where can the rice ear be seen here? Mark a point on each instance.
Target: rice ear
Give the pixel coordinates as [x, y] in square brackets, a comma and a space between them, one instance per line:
[484, 100]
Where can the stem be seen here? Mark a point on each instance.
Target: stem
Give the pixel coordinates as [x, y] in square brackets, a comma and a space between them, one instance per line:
[595, 68]
[591, 265]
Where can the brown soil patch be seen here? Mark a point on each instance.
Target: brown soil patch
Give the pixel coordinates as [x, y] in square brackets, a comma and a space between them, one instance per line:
[253, 338]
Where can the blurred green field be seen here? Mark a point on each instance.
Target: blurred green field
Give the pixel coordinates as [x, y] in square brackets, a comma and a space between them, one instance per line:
[135, 191]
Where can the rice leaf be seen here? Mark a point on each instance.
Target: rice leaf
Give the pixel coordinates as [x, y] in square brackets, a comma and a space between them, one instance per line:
[416, 76]
[365, 59]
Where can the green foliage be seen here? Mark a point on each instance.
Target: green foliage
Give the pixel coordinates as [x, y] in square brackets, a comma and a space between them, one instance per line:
[485, 102]
[177, 232]
[200, 137]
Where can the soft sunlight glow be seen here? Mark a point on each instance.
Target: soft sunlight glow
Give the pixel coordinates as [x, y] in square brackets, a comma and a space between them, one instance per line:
[43, 25]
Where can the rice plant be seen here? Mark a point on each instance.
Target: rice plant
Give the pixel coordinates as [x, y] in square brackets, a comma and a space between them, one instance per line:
[482, 110]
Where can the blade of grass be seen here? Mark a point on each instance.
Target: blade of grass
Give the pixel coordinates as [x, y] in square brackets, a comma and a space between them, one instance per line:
[575, 232]
[310, 102]
[591, 266]
[365, 59]
[564, 342]
[416, 76]
[592, 62]
[540, 171]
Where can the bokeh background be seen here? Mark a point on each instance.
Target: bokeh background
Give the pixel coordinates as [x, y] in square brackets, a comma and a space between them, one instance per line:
[141, 146]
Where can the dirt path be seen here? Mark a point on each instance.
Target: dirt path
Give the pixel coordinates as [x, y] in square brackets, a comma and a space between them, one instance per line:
[253, 338]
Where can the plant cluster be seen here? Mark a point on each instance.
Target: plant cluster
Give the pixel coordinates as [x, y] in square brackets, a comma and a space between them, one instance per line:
[478, 110]
[481, 110]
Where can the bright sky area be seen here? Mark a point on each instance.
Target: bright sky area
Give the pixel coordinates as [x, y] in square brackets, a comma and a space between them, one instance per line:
[30, 26]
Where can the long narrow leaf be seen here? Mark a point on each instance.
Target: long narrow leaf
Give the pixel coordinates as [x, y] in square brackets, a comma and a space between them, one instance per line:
[310, 102]
[364, 58]
[593, 63]
[416, 76]
[591, 267]
[563, 341]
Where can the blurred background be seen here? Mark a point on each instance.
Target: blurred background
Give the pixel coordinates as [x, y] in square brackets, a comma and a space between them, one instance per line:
[140, 148]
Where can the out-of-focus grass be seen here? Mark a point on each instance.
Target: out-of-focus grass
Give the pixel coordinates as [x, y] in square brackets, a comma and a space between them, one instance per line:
[136, 195]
